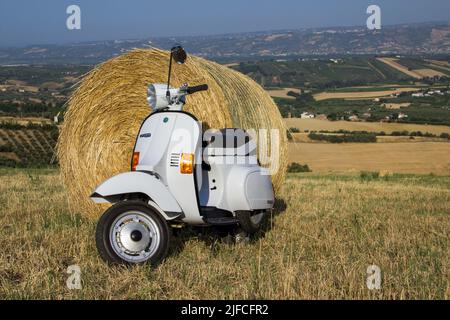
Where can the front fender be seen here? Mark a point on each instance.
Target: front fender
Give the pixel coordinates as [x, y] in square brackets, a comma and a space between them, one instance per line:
[137, 182]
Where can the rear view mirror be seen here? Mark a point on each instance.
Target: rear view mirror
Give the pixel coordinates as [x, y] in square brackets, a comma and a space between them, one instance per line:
[178, 54]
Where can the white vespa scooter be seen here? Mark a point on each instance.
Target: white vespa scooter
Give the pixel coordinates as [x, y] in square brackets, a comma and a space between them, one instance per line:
[170, 185]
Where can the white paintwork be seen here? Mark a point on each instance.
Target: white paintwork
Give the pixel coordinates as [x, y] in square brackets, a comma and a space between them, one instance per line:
[138, 182]
[163, 137]
[259, 190]
[152, 143]
[237, 186]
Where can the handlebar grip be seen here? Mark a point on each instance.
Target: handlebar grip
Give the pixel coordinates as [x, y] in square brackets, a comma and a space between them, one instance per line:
[194, 89]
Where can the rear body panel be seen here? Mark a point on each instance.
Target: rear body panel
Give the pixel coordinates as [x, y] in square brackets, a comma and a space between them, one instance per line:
[234, 187]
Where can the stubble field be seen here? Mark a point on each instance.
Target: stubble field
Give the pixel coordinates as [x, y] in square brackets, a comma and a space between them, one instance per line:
[390, 156]
[326, 230]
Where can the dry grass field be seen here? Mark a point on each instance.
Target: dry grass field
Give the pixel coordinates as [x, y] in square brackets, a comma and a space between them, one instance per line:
[403, 157]
[424, 73]
[325, 232]
[417, 73]
[315, 124]
[304, 137]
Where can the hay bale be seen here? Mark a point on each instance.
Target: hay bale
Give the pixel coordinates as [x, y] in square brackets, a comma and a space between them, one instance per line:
[106, 110]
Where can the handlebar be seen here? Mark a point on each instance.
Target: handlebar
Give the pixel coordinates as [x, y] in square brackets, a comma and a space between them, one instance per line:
[194, 89]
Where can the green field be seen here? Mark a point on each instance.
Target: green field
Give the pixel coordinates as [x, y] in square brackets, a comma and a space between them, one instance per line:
[352, 75]
[425, 110]
[349, 74]
[325, 231]
[37, 75]
[322, 73]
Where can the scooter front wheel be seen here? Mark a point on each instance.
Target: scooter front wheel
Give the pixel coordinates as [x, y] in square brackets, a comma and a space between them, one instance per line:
[132, 232]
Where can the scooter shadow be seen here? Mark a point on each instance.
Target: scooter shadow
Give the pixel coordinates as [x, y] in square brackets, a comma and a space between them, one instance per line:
[214, 236]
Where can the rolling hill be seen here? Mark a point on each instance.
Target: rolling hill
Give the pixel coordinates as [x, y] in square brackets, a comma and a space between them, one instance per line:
[421, 38]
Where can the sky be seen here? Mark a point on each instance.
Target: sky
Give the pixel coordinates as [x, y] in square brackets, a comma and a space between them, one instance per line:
[32, 22]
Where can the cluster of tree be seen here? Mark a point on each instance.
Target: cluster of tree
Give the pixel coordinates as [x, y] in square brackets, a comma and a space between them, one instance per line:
[297, 167]
[335, 116]
[443, 135]
[369, 175]
[51, 128]
[437, 79]
[29, 109]
[332, 138]
[30, 125]
[404, 133]
[294, 108]
[302, 98]
[288, 135]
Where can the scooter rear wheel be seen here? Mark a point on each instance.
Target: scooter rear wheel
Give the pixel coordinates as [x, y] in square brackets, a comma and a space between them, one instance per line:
[251, 222]
[132, 232]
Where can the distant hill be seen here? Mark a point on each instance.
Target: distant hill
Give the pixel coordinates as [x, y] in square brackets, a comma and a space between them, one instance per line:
[425, 38]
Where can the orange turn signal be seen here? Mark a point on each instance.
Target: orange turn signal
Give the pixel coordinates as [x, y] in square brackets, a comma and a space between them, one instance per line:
[134, 161]
[187, 163]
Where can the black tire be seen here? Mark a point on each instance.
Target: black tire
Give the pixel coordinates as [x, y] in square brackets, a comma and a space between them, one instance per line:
[247, 223]
[102, 234]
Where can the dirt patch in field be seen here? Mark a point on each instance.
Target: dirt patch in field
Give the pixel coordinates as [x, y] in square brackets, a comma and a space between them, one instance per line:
[233, 64]
[9, 155]
[396, 105]
[51, 85]
[402, 157]
[70, 79]
[35, 100]
[282, 93]
[15, 82]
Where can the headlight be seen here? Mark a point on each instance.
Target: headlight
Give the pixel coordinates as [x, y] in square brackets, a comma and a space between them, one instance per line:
[156, 96]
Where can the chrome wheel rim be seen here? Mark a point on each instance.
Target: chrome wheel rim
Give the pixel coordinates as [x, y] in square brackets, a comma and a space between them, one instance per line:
[134, 236]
